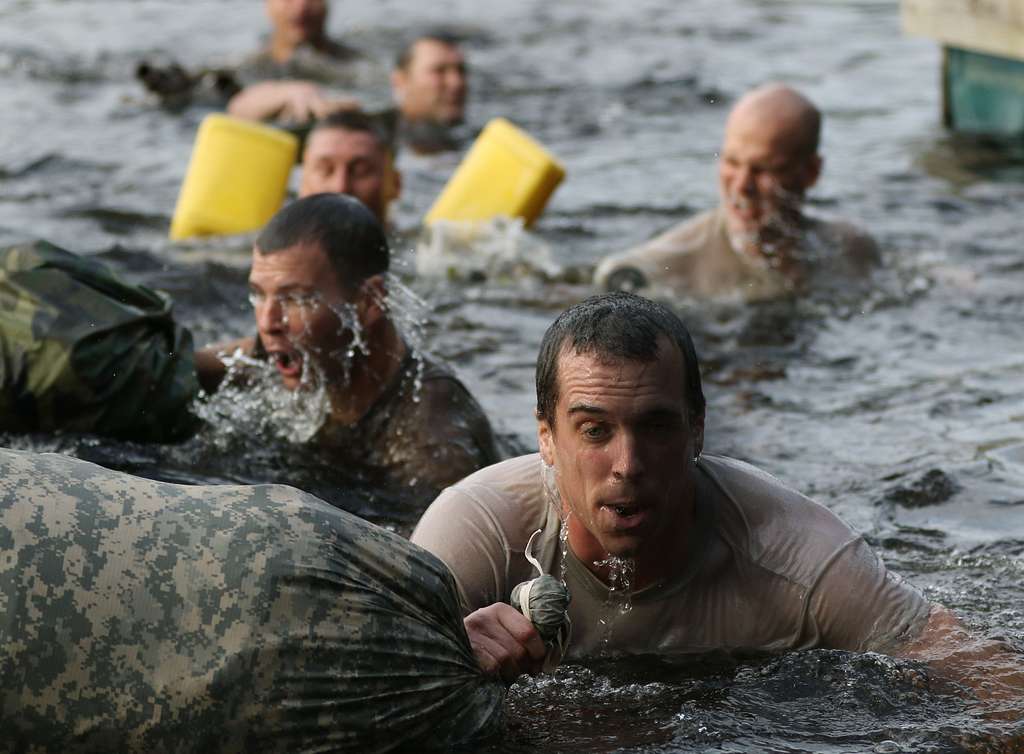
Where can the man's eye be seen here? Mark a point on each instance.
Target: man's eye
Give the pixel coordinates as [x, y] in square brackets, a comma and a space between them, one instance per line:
[301, 300]
[256, 299]
[361, 170]
[593, 431]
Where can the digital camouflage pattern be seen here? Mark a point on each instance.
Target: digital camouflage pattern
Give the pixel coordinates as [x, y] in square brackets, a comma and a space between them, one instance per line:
[83, 350]
[144, 616]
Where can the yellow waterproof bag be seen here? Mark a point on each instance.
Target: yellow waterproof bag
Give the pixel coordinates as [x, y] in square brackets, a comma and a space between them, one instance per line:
[236, 179]
[504, 173]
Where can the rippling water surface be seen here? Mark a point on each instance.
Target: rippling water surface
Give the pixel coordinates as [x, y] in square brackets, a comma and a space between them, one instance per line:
[900, 410]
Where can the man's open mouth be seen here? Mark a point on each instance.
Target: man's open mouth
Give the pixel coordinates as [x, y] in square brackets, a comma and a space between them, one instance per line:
[626, 514]
[288, 363]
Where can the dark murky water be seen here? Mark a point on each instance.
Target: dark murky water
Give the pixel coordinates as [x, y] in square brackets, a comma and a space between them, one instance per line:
[900, 410]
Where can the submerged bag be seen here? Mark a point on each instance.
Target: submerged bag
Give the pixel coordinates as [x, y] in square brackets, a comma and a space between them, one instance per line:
[144, 616]
[82, 350]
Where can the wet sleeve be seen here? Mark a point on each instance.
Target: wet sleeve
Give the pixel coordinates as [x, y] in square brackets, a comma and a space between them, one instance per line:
[857, 604]
[456, 435]
[460, 530]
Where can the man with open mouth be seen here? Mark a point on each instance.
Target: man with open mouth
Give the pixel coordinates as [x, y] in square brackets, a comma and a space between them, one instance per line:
[758, 243]
[319, 293]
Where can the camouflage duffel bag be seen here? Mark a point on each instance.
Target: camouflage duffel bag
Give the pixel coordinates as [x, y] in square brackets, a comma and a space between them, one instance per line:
[83, 350]
[143, 616]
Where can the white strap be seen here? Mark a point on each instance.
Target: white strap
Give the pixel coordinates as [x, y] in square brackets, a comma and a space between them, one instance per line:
[524, 598]
[529, 553]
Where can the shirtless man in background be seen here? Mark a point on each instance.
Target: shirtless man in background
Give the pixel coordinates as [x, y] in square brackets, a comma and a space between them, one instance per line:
[758, 243]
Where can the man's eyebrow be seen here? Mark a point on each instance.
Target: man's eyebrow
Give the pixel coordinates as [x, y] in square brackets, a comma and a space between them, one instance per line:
[585, 408]
[291, 288]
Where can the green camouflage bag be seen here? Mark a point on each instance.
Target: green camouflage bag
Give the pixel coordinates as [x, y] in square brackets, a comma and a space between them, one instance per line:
[82, 350]
[141, 616]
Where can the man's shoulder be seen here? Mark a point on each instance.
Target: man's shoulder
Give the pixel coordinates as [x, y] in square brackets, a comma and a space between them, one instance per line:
[495, 509]
[515, 483]
[681, 244]
[854, 244]
[771, 524]
[441, 390]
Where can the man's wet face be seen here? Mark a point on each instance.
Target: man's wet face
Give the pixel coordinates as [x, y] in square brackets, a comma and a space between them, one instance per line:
[433, 85]
[296, 298]
[297, 21]
[762, 176]
[622, 446]
[349, 162]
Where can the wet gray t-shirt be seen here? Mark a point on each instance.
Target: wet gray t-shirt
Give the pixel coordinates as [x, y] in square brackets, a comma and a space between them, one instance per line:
[766, 568]
[697, 258]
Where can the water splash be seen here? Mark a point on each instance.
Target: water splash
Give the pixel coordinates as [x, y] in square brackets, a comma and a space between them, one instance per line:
[499, 248]
[254, 404]
[620, 595]
[551, 495]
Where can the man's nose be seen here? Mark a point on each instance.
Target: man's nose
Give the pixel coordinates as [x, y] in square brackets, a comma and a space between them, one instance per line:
[339, 182]
[270, 315]
[627, 463]
[743, 179]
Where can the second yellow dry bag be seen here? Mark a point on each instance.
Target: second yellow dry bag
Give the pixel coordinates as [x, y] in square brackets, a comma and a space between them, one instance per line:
[236, 180]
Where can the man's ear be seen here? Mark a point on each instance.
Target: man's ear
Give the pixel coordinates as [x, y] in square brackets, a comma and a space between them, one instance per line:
[812, 171]
[546, 441]
[398, 84]
[697, 430]
[392, 183]
[370, 301]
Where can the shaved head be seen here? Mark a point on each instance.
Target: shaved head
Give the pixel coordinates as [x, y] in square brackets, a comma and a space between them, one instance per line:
[769, 159]
[792, 120]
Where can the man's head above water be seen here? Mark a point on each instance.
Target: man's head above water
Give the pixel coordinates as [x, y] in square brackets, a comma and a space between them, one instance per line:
[769, 159]
[350, 152]
[317, 287]
[429, 79]
[296, 22]
[620, 414]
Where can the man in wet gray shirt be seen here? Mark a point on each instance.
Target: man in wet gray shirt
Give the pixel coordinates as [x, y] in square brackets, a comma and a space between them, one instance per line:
[758, 243]
[664, 549]
[325, 325]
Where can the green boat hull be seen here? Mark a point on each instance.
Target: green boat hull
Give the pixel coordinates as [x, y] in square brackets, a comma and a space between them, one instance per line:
[984, 94]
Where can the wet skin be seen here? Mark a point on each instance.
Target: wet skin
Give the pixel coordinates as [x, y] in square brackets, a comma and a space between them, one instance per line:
[296, 21]
[349, 162]
[295, 295]
[433, 85]
[765, 167]
[622, 445]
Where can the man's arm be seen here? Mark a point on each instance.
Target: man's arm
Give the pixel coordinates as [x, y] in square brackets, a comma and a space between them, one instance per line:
[210, 367]
[467, 536]
[294, 101]
[858, 605]
[990, 668]
[505, 642]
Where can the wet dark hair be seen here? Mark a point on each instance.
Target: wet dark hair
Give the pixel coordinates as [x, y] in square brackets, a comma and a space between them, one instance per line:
[619, 326]
[377, 125]
[444, 36]
[341, 225]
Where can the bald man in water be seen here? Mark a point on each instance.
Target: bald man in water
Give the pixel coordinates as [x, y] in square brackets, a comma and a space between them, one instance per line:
[758, 243]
